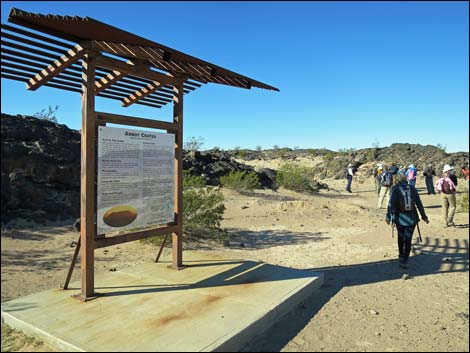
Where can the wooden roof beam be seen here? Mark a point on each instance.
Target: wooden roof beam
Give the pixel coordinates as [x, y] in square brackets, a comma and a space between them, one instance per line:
[71, 57]
[127, 50]
[135, 70]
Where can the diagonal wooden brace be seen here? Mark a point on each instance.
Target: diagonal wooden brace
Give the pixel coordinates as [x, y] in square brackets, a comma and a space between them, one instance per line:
[141, 93]
[108, 80]
[51, 71]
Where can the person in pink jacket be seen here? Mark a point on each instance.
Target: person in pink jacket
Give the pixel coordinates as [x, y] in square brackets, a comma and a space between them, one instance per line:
[446, 186]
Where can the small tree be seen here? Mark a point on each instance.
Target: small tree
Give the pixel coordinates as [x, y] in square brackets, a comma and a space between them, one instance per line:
[47, 115]
[258, 148]
[193, 143]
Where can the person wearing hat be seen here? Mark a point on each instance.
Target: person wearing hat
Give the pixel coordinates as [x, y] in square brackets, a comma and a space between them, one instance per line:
[446, 186]
[351, 170]
[402, 212]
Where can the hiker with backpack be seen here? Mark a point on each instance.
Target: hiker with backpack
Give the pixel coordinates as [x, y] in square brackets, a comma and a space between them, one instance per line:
[387, 180]
[350, 171]
[402, 212]
[428, 173]
[446, 186]
[378, 170]
[411, 173]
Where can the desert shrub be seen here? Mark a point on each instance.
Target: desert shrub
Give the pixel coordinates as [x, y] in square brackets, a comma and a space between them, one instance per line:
[242, 153]
[192, 181]
[463, 201]
[203, 207]
[295, 177]
[329, 156]
[240, 180]
[203, 210]
[282, 152]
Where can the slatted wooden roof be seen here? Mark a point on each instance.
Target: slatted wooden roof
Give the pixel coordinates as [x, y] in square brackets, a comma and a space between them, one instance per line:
[47, 50]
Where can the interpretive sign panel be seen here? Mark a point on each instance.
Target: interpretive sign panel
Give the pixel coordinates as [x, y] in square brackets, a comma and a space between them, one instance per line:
[135, 179]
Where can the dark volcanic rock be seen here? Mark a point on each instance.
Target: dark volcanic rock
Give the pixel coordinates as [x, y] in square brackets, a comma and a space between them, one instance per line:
[214, 164]
[40, 169]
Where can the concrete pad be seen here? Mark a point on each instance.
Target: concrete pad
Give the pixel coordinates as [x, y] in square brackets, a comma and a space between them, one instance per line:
[214, 304]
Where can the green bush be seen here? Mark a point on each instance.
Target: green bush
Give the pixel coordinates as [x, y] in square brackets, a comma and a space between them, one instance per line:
[242, 153]
[282, 152]
[463, 201]
[295, 177]
[203, 210]
[329, 156]
[240, 181]
[192, 181]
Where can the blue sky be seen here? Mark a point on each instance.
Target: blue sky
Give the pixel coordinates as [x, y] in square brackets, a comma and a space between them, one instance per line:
[350, 74]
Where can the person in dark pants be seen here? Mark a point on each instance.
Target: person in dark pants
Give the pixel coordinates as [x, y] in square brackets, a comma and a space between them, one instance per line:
[401, 210]
[428, 173]
[352, 168]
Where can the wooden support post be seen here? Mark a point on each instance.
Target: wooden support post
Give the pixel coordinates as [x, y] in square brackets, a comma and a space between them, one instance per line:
[177, 257]
[87, 193]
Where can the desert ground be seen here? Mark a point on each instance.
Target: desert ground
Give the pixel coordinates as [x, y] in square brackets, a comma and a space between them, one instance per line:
[367, 303]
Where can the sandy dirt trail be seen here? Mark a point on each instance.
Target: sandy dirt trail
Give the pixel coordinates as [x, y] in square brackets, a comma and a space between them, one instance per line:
[366, 303]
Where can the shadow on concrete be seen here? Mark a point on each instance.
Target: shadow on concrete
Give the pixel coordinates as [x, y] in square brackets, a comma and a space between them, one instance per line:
[434, 252]
[245, 274]
[437, 256]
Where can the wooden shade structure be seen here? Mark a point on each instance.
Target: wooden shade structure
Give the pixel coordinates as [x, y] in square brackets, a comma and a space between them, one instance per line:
[92, 58]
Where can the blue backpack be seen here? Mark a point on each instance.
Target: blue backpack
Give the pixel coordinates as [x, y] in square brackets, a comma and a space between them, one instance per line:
[386, 179]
